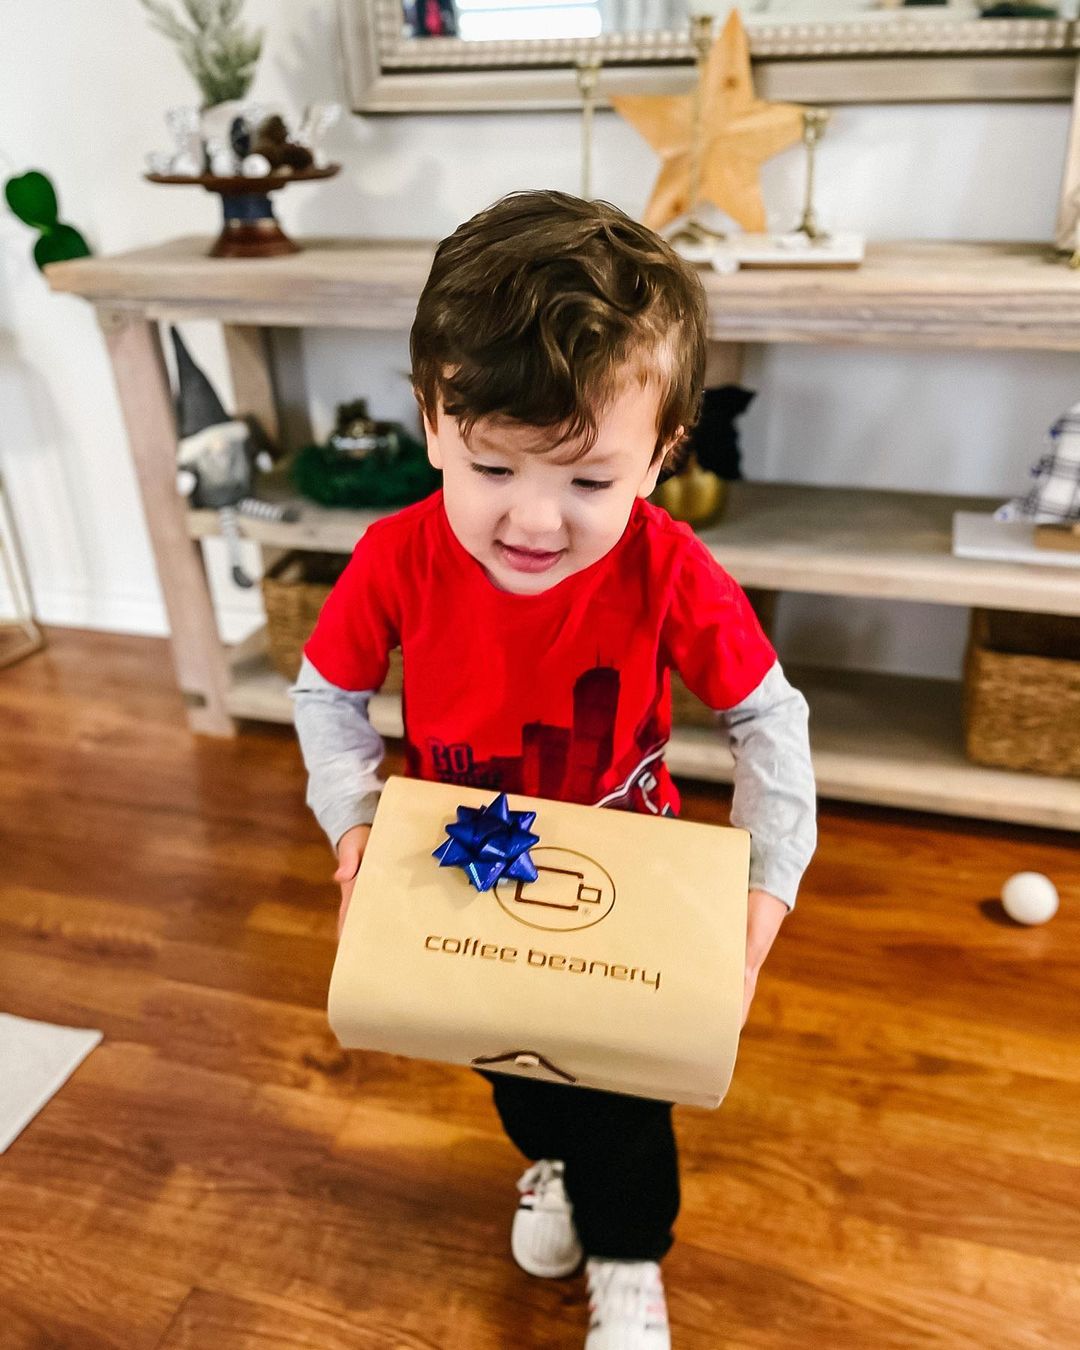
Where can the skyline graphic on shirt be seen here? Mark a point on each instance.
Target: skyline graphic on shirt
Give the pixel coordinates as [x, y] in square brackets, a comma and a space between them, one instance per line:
[565, 763]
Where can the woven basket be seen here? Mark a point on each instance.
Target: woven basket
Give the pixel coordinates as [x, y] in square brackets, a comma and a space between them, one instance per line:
[294, 590]
[1022, 692]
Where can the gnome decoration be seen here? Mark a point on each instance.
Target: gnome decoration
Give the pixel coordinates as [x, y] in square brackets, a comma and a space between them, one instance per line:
[217, 458]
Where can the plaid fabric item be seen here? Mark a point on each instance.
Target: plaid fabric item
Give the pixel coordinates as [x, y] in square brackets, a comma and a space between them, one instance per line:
[1055, 493]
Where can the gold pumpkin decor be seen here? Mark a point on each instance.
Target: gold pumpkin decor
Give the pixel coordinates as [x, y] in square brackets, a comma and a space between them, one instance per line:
[693, 495]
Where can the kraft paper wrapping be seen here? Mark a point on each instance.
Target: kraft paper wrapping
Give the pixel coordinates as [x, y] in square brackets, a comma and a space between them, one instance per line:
[620, 968]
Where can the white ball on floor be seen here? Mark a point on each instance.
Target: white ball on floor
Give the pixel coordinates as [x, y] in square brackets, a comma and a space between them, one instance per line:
[1029, 897]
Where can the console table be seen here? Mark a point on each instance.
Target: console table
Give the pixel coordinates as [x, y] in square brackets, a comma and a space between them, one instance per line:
[876, 738]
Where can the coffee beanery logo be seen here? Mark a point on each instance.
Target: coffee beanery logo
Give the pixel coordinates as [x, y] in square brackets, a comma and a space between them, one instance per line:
[571, 891]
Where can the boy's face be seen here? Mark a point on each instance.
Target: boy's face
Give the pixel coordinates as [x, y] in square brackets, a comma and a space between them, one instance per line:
[529, 516]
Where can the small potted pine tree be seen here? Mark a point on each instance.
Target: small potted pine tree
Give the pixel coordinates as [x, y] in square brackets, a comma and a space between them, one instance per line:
[228, 145]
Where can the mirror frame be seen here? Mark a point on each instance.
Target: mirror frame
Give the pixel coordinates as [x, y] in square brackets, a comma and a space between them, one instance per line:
[904, 60]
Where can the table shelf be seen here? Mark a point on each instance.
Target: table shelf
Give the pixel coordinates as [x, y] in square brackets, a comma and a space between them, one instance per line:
[885, 739]
[787, 537]
[949, 294]
[876, 738]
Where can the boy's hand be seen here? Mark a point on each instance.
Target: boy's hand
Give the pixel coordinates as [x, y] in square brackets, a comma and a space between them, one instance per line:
[350, 850]
[764, 915]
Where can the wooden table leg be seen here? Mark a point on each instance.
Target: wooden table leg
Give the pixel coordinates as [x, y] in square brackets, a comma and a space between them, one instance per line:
[146, 401]
[286, 347]
[253, 386]
[267, 370]
[723, 363]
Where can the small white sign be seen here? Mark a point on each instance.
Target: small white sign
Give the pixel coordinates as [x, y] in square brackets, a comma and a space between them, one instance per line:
[976, 534]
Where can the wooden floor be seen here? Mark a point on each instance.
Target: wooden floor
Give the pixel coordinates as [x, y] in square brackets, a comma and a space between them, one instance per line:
[898, 1162]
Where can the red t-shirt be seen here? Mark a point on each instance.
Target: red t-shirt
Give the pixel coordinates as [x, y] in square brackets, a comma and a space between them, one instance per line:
[562, 695]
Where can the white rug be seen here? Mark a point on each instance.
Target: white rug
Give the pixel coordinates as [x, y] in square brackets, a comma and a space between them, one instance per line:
[36, 1060]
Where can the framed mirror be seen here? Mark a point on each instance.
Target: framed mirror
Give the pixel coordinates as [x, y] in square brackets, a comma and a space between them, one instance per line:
[455, 55]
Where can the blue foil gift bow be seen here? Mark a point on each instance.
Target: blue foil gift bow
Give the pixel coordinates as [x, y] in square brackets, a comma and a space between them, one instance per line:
[489, 843]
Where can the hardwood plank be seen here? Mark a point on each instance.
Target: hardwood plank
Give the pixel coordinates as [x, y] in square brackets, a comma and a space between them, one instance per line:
[263, 1322]
[230, 1323]
[63, 1294]
[897, 1165]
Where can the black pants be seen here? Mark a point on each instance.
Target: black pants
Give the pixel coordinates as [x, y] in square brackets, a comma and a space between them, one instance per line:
[622, 1170]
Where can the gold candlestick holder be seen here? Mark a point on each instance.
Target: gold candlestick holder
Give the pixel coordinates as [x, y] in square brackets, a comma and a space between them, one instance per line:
[588, 76]
[695, 238]
[815, 120]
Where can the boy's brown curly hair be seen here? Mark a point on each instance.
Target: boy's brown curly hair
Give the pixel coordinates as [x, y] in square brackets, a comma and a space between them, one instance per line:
[539, 307]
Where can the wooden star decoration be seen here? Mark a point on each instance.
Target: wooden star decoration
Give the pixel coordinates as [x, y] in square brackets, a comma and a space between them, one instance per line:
[738, 133]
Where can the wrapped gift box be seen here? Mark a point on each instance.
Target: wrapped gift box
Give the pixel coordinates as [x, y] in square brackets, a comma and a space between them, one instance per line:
[620, 967]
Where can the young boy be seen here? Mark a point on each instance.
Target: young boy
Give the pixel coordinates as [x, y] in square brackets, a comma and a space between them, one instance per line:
[539, 602]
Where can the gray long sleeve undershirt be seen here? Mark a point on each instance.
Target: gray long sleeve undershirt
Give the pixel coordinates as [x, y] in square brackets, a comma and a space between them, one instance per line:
[774, 781]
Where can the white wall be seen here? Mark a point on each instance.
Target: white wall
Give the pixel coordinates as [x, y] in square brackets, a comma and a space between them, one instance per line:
[82, 95]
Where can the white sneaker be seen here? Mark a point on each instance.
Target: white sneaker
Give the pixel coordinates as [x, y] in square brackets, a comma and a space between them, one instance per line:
[543, 1240]
[626, 1306]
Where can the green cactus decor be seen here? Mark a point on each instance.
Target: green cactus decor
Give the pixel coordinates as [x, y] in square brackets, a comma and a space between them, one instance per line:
[32, 198]
[216, 49]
